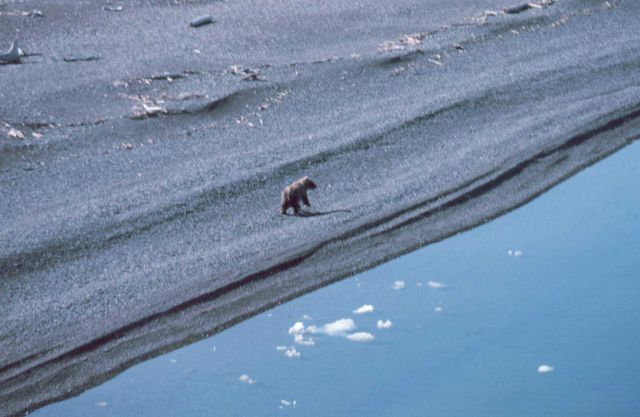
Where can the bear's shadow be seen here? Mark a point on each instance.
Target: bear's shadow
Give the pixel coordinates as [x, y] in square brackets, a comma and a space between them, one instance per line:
[304, 213]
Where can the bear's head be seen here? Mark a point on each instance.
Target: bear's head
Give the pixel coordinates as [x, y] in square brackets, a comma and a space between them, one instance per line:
[308, 183]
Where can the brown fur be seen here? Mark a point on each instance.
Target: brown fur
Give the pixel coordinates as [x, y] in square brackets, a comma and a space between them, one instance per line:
[294, 193]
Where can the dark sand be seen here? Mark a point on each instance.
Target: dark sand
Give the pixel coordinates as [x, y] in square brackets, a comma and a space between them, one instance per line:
[121, 238]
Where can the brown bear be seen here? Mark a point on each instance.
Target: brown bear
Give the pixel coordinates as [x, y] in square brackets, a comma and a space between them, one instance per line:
[292, 194]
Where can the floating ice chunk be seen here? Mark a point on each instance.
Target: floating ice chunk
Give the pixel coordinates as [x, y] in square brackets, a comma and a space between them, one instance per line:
[285, 403]
[367, 308]
[307, 317]
[514, 252]
[543, 369]
[101, 404]
[292, 353]
[398, 285]
[299, 339]
[438, 309]
[281, 348]
[384, 324]
[435, 284]
[297, 328]
[339, 327]
[360, 337]
[246, 379]
[173, 361]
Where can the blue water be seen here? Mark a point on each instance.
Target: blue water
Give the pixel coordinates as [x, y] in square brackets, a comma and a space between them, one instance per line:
[569, 301]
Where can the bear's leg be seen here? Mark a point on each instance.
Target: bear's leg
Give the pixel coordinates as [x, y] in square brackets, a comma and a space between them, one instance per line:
[284, 207]
[296, 208]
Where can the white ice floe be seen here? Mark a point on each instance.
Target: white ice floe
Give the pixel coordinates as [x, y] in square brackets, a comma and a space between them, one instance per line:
[172, 361]
[297, 328]
[435, 284]
[438, 309]
[360, 337]
[287, 403]
[101, 404]
[299, 339]
[543, 369]
[398, 285]
[246, 379]
[367, 308]
[384, 324]
[337, 328]
[281, 348]
[514, 252]
[292, 352]
[307, 317]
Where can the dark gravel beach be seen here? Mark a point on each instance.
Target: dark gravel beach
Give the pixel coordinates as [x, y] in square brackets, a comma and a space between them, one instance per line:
[142, 158]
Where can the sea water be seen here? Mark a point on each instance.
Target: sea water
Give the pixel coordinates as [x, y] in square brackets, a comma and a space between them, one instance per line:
[533, 314]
